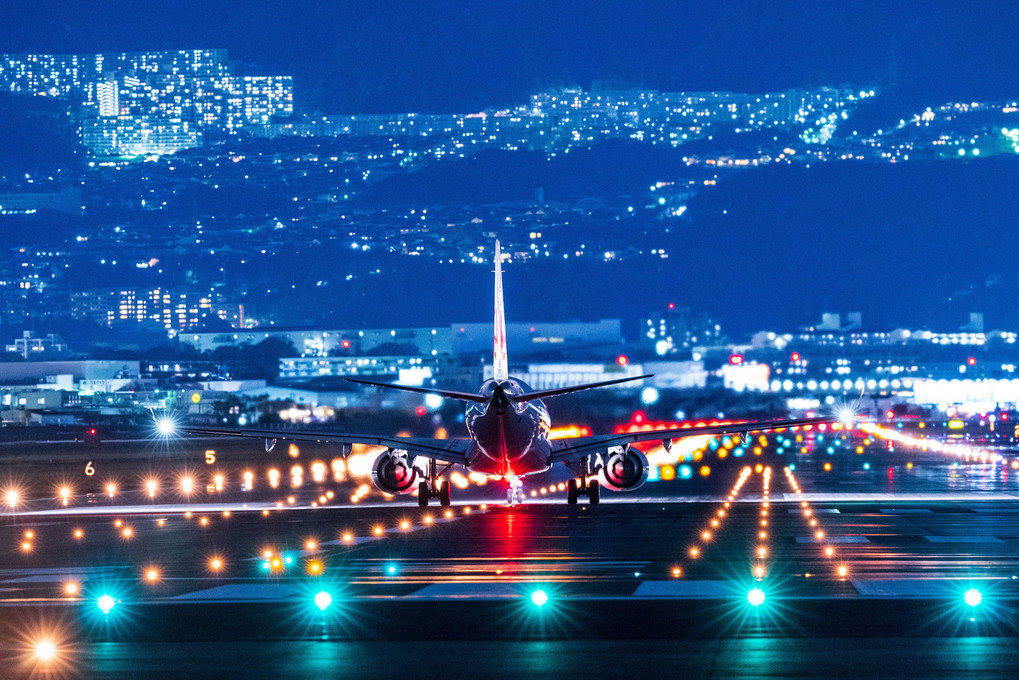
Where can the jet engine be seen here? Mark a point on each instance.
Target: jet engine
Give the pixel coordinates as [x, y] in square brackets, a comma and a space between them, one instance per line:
[393, 473]
[624, 470]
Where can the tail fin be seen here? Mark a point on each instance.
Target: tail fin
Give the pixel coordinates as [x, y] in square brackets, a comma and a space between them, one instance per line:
[500, 360]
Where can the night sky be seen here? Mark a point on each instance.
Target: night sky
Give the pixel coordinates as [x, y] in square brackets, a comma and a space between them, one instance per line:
[383, 56]
[389, 56]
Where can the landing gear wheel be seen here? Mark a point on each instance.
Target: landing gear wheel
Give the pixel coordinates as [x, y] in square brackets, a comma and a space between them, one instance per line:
[593, 493]
[423, 494]
[444, 494]
[571, 492]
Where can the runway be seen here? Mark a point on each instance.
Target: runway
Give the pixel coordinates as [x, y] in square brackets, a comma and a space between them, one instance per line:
[900, 552]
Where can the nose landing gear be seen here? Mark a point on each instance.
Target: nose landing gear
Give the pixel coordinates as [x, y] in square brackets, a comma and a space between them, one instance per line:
[515, 493]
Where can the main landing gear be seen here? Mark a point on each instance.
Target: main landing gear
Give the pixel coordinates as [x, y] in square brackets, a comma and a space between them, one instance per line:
[580, 486]
[433, 488]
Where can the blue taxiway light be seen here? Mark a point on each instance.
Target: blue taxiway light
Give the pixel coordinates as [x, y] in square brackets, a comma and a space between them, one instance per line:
[323, 600]
[106, 603]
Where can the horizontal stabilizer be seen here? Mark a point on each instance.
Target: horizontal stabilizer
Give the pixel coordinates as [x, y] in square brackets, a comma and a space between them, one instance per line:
[575, 388]
[449, 394]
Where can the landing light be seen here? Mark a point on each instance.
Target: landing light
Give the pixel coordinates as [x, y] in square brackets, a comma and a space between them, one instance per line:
[166, 426]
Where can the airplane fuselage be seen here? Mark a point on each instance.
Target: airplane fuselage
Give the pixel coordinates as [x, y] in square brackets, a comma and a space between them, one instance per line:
[510, 438]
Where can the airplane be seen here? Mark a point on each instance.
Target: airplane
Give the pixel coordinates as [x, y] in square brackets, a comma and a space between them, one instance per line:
[508, 427]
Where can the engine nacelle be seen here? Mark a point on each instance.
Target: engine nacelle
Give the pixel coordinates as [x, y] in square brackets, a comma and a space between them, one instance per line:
[624, 470]
[393, 473]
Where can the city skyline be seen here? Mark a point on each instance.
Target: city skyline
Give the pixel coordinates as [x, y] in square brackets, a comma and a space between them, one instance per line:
[438, 57]
[559, 172]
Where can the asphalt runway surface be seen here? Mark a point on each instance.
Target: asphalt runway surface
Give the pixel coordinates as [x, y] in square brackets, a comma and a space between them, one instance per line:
[414, 592]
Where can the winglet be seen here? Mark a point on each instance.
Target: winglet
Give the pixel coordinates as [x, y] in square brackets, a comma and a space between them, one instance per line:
[500, 360]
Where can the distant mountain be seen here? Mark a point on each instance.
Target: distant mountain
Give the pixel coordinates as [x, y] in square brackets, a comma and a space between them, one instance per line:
[908, 244]
[36, 135]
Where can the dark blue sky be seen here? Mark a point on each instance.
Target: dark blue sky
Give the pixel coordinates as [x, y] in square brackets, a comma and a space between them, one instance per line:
[429, 56]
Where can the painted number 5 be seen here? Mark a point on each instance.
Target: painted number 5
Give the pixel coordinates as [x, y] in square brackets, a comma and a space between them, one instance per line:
[210, 457]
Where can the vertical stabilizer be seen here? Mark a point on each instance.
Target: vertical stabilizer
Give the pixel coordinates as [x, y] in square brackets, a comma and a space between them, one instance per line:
[500, 362]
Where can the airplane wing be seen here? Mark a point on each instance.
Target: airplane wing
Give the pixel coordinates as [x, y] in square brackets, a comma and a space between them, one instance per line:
[566, 449]
[445, 450]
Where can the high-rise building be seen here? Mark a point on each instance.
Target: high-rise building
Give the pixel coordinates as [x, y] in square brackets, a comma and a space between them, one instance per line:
[106, 93]
[164, 100]
[127, 136]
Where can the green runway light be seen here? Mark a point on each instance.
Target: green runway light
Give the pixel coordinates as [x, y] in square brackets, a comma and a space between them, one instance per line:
[972, 597]
[755, 597]
[539, 598]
